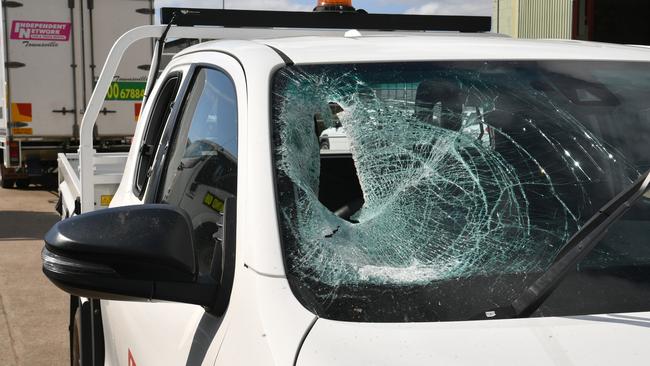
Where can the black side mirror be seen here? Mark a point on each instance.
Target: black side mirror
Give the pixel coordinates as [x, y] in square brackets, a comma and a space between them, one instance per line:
[142, 252]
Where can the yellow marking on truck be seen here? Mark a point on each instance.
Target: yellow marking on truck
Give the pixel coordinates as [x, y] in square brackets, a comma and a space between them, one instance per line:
[217, 204]
[22, 131]
[213, 202]
[21, 112]
[106, 200]
[208, 199]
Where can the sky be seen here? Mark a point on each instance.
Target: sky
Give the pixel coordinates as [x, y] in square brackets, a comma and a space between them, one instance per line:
[440, 7]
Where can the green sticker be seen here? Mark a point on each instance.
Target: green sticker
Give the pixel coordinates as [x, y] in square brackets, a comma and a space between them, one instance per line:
[126, 90]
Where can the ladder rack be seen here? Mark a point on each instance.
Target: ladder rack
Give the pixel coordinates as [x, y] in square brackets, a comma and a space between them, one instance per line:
[244, 24]
[190, 17]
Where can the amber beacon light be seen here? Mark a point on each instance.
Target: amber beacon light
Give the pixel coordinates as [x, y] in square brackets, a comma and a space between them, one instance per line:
[334, 5]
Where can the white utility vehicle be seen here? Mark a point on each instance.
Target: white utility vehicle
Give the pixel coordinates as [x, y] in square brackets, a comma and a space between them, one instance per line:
[492, 208]
[52, 52]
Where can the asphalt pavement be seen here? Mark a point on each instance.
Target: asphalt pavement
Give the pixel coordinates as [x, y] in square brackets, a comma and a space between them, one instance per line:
[33, 313]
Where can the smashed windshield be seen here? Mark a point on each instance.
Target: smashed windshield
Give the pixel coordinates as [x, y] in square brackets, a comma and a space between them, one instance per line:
[424, 191]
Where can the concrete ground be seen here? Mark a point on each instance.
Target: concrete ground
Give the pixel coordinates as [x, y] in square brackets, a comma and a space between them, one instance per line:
[33, 313]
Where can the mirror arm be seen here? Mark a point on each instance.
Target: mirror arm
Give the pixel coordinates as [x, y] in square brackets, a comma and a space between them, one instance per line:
[202, 292]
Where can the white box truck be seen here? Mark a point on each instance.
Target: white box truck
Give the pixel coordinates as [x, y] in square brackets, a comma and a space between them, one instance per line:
[52, 52]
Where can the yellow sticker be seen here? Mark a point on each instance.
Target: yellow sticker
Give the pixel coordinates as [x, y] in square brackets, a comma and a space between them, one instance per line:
[106, 200]
[208, 199]
[22, 131]
[213, 202]
[217, 204]
[21, 112]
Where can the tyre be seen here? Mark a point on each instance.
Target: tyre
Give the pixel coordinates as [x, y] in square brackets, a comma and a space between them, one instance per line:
[86, 344]
[75, 339]
[22, 183]
[7, 183]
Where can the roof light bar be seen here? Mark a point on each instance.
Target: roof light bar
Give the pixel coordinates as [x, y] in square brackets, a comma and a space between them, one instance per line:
[334, 5]
[347, 3]
[323, 20]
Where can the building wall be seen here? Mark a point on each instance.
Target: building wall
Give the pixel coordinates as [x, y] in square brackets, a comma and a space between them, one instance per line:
[534, 18]
[619, 21]
[505, 17]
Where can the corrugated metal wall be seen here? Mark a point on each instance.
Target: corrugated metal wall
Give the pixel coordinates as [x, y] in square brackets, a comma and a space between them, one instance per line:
[545, 18]
[534, 18]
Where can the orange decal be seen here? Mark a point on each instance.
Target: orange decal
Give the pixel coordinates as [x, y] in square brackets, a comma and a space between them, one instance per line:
[131, 359]
[138, 109]
[22, 131]
[21, 112]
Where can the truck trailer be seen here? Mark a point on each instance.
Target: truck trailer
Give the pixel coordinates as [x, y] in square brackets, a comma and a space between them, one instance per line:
[52, 52]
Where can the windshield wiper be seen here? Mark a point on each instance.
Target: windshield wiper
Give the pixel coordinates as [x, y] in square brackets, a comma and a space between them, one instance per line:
[580, 244]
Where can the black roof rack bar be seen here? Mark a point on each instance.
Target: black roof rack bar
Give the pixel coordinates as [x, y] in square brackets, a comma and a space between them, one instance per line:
[324, 20]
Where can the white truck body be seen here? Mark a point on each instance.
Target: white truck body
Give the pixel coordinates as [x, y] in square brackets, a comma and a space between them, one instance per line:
[265, 324]
[53, 52]
[109, 168]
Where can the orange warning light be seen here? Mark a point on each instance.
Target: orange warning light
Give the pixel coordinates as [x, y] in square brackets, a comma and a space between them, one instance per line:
[334, 3]
[338, 6]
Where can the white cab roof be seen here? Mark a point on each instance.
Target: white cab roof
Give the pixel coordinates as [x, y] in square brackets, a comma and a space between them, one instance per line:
[389, 46]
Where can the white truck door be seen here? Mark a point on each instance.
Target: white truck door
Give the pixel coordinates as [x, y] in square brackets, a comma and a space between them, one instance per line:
[104, 22]
[40, 71]
[55, 51]
[198, 174]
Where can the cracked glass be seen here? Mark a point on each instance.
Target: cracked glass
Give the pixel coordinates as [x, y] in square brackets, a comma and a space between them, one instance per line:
[430, 191]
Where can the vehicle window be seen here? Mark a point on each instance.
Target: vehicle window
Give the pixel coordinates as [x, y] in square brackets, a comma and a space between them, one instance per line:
[432, 191]
[201, 171]
[155, 126]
